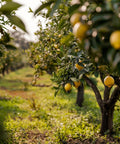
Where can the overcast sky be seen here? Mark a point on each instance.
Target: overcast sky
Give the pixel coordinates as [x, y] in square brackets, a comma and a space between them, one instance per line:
[28, 18]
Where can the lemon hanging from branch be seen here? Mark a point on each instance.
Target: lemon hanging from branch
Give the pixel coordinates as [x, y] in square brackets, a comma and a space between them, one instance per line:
[109, 81]
[115, 39]
[67, 87]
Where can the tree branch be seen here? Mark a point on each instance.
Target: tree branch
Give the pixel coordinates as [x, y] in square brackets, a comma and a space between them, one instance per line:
[106, 93]
[114, 97]
[102, 77]
[117, 80]
[95, 89]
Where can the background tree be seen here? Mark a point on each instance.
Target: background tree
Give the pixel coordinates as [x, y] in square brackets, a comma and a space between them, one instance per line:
[8, 17]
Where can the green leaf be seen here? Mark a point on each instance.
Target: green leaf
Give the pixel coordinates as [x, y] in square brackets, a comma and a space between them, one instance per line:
[73, 8]
[41, 7]
[17, 21]
[56, 5]
[57, 90]
[80, 76]
[9, 7]
[66, 39]
[74, 79]
[10, 47]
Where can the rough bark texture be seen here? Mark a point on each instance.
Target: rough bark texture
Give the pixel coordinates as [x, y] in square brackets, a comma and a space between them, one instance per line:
[107, 120]
[80, 95]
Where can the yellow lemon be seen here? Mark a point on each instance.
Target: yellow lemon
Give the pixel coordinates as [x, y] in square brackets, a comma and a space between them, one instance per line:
[56, 46]
[115, 39]
[77, 84]
[109, 81]
[59, 35]
[78, 67]
[75, 18]
[79, 30]
[67, 87]
[45, 67]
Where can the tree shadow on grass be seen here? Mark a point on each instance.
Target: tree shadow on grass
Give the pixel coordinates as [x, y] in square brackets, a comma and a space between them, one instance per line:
[89, 106]
[7, 107]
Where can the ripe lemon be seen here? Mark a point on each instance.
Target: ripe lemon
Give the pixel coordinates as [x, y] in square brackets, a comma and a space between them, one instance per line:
[79, 30]
[56, 46]
[59, 35]
[45, 67]
[67, 87]
[75, 18]
[77, 84]
[109, 81]
[79, 67]
[115, 39]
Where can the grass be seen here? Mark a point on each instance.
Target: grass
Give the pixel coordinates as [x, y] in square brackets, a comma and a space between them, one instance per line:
[35, 116]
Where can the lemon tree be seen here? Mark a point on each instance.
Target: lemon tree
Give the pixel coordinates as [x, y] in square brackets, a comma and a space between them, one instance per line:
[96, 29]
[8, 17]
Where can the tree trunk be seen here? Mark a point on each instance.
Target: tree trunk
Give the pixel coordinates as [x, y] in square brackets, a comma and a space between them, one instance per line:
[80, 95]
[107, 120]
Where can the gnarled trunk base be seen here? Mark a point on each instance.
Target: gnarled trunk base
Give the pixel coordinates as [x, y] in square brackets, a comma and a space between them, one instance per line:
[107, 120]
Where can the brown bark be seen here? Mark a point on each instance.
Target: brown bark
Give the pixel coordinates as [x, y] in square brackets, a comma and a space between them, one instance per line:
[95, 89]
[107, 120]
[102, 77]
[114, 97]
[107, 104]
[106, 93]
[108, 110]
[80, 95]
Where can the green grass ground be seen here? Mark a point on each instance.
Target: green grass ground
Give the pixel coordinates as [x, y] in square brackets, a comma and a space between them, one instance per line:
[32, 115]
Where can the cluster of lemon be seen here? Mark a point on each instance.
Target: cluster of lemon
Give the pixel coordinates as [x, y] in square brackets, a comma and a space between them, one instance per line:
[79, 29]
[108, 81]
[68, 86]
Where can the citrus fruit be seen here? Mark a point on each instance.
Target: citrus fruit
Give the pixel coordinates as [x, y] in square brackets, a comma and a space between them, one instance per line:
[56, 46]
[79, 67]
[77, 84]
[67, 87]
[45, 67]
[109, 81]
[115, 39]
[59, 35]
[75, 18]
[79, 30]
